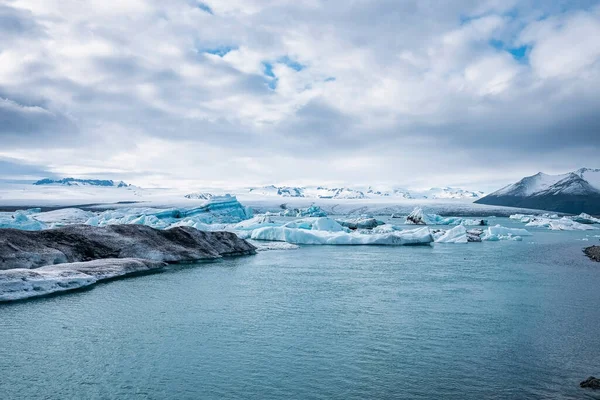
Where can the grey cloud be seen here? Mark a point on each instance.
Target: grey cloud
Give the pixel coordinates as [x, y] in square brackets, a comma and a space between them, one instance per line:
[528, 122]
[27, 124]
[12, 169]
[16, 23]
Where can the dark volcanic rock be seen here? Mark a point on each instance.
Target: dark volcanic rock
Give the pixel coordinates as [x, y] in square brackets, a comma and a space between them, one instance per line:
[593, 252]
[591, 382]
[25, 249]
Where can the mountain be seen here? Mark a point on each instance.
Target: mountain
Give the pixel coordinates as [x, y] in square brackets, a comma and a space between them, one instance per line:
[450, 193]
[81, 182]
[574, 192]
[322, 192]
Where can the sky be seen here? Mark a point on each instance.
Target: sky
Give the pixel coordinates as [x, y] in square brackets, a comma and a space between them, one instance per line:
[408, 93]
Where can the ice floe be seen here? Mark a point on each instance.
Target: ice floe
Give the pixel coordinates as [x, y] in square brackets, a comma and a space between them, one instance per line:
[312, 211]
[360, 223]
[21, 219]
[581, 222]
[325, 231]
[418, 217]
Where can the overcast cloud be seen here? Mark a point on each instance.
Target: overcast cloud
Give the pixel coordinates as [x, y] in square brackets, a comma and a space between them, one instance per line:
[413, 93]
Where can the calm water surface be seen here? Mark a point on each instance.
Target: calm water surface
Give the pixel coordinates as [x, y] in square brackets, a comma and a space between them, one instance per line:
[505, 320]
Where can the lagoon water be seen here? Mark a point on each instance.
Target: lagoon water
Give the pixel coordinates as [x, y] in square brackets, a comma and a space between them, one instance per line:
[503, 320]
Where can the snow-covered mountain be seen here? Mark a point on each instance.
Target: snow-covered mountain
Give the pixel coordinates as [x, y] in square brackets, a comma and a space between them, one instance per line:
[81, 182]
[450, 193]
[199, 196]
[574, 192]
[370, 192]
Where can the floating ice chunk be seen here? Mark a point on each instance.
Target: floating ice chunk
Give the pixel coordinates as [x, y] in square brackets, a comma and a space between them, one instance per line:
[458, 234]
[312, 211]
[495, 233]
[562, 224]
[256, 222]
[319, 237]
[64, 216]
[360, 223]
[21, 219]
[418, 217]
[584, 218]
[218, 210]
[317, 224]
[567, 224]
[268, 246]
[327, 224]
[503, 231]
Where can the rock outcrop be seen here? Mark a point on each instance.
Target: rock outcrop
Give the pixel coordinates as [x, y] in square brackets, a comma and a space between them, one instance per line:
[593, 252]
[591, 382]
[40, 263]
[73, 243]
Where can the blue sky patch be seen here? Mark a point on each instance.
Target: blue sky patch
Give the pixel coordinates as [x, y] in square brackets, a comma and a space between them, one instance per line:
[219, 51]
[519, 53]
[295, 65]
[268, 69]
[205, 8]
[330, 79]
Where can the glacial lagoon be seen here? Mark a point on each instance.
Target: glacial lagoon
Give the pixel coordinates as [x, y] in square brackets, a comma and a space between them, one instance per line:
[505, 320]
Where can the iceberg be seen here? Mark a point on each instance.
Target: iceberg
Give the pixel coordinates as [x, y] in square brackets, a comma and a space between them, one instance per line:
[360, 223]
[64, 216]
[562, 224]
[269, 246]
[584, 218]
[217, 210]
[256, 222]
[498, 232]
[418, 217]
[21, 219]
[325, 231]
[312, 211]
[458, 234]
[567, 224]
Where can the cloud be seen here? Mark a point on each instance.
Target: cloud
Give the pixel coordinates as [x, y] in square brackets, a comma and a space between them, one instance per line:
[382, 90]
[14, 169]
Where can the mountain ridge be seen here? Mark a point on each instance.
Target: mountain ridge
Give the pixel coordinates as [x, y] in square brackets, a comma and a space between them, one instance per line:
[574, 192]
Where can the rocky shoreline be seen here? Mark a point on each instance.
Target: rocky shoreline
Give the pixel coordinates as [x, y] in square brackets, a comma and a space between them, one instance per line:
[39, 263]
[593, 252]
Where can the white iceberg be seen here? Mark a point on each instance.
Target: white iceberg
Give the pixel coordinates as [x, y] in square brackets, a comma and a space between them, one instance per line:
[64, 216]
[418, 217]
[325, 231]
[584, 218]
[498, 232]
[256, 222]
[458, 234]
[562, 224]
[218, 210]
[360, 223]
[270, 246]
[312, 211]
